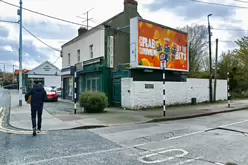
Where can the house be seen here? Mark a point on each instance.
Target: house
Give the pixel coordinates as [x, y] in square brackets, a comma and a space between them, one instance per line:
[97, 53]
[101, 56]
[46, 73]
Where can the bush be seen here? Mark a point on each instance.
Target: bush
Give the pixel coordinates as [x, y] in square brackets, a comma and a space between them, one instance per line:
[93, 102]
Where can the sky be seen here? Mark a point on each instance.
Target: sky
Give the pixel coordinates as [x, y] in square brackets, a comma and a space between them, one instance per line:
[172, 13]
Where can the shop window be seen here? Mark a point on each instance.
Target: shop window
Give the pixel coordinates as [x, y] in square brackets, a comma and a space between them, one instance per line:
[88, 85]
[81, 84]
[93, 83]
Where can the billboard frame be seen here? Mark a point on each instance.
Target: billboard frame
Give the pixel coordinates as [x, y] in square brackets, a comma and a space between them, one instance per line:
[134, 37]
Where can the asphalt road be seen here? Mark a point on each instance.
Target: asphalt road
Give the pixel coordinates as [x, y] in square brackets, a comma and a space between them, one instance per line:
[207, 140]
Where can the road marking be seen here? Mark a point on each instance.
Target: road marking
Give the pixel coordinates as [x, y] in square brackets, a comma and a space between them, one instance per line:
[190, 134]
[189, 160]
[124, 148]
[235, 123]
[183, 153]
[150, 151]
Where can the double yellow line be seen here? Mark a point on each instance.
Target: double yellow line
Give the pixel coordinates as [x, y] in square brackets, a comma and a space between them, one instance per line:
[6, 130]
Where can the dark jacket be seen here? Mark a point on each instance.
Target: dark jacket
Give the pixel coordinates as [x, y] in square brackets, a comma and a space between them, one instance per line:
[38, 94]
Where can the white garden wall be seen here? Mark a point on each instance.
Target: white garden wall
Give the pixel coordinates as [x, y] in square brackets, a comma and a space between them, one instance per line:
[134, 95]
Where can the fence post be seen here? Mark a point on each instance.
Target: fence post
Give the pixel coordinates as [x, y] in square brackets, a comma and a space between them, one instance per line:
[164, 104]
[228, 90]
[75, 91]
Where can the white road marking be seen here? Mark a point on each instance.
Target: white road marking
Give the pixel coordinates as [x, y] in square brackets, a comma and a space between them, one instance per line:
[235, 123]
[183, 153]
[219, 164]
[190, 134]
[189, 160]
[150, 151]
[124, 148]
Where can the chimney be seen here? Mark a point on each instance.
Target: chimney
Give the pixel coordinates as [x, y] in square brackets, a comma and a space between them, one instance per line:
[130, 5]
[82, 30]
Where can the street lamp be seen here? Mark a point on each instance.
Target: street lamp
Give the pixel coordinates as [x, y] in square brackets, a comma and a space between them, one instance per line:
[20, 54]
[210, 61]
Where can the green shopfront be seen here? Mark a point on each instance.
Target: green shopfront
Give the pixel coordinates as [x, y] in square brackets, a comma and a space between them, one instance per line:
[94, 77]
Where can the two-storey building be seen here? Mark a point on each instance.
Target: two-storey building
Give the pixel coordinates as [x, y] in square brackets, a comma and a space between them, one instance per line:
[98, 52]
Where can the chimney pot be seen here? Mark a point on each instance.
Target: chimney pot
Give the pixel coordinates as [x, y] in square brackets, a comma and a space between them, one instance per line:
[82, 30]
[128, 4]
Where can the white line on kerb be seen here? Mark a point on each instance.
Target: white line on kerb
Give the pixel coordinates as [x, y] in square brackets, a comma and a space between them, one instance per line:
[124, 148]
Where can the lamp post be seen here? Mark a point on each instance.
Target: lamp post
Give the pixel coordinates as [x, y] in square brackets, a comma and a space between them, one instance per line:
[20, 54]
[210, 61]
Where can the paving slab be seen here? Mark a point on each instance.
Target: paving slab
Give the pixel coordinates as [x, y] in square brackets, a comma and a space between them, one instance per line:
[59, 115]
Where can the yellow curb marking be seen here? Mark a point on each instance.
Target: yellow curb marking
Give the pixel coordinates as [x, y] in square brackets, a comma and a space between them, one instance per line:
[6, 130]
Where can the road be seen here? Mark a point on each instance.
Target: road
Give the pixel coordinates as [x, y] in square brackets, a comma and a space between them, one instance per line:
[207, 140]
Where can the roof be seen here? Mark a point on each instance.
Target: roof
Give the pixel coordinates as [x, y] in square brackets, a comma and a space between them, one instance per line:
[42, 64]
[92, 29]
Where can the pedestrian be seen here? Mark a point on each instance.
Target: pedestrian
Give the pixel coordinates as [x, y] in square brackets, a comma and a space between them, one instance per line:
[36, 97]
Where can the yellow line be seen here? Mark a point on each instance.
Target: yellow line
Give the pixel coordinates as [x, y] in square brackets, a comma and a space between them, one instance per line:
[6, 130]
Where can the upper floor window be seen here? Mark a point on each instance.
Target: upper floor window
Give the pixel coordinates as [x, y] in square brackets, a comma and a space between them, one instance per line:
[91, 51]
[69, 59]
[78, 55]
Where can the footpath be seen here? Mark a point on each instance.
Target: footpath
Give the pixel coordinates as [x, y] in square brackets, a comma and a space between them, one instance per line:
[59, 116]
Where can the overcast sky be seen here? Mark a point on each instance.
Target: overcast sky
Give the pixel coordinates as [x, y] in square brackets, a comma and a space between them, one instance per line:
[173, 13]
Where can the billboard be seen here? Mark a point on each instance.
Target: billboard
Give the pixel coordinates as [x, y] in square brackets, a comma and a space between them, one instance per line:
[151, 42]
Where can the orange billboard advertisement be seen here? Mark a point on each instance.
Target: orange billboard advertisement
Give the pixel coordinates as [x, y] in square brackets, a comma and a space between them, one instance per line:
[156, 43]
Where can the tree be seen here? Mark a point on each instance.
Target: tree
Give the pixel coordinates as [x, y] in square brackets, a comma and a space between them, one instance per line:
[241, 71]
[226, 63]
[198, 47]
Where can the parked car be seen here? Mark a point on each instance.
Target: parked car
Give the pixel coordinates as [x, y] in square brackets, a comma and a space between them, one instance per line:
[11, 86]
[51, 94]
[58, 91]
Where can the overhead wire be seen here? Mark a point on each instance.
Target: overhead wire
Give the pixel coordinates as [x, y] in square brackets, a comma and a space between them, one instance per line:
[40, 40]
[46, 15]
[229, 29]
[35, 38]
[219, 4]
[241, 1]
[49, 16]
[43, 43]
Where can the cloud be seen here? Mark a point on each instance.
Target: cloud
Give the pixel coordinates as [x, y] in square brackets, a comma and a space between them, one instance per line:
[8, 48]
[190, 10]
[234, 33]
[3, 32]
[33, 50]
[50, 30]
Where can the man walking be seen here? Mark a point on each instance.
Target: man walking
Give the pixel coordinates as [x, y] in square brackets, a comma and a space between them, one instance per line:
[36, 96]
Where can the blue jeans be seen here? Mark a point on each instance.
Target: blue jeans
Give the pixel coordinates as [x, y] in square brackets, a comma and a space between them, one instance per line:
[38, 112]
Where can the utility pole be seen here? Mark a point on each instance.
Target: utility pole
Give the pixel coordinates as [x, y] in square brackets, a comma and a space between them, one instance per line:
[4, 76]
[20, 54]
[87, 18]
[210, 62]
[13, 74]
[215, 71]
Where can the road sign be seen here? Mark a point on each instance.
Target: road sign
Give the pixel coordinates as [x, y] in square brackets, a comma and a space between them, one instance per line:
[162, 56]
